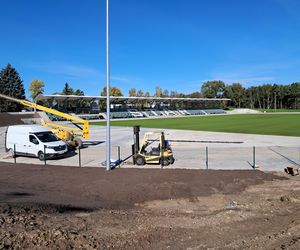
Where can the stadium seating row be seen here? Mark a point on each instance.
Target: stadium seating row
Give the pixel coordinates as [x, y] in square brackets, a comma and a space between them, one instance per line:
[134, 113]
[164, 113]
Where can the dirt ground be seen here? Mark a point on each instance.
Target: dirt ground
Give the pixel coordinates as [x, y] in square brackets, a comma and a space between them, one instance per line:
[90, 208]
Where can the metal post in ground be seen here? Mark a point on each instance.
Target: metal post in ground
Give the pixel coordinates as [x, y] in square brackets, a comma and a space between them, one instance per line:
[119, 156]
[161, 157]
[45, 155]
[254, 160]
[107, 90]
[206, 156]
[79, 156]
[133, 154]
[15, 158]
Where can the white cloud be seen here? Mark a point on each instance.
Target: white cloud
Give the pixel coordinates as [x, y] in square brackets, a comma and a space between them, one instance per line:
[122, 79]
[75, 71]
[250, 74]
[64, 69]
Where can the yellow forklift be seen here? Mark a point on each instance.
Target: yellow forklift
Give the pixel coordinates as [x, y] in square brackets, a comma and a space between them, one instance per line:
[154, 149]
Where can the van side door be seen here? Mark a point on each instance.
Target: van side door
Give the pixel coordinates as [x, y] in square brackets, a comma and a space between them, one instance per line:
[33, 145]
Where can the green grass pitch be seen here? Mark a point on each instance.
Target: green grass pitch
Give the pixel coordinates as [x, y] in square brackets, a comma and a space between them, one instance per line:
[267, 124]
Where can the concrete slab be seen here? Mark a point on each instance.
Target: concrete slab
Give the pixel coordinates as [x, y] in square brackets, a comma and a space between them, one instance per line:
[225, 150]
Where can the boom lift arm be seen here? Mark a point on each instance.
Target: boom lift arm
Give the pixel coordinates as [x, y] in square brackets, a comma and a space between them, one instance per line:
[63, 132]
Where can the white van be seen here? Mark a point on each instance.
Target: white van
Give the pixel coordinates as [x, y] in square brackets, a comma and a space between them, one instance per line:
[34, 140]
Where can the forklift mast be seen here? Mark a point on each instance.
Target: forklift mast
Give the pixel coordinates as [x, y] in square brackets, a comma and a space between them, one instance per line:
[162, 141]
[136, 139]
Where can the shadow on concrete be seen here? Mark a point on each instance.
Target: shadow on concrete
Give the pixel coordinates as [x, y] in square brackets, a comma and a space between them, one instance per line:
[285, 157]
[91, 143]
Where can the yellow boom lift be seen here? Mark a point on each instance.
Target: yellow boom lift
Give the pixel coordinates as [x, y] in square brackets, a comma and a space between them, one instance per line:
[68, 134]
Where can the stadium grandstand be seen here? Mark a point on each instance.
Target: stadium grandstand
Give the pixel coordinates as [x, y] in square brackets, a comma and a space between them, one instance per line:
[122, 107]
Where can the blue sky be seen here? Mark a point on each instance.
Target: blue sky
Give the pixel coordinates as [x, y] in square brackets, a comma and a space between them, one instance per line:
[174, 44]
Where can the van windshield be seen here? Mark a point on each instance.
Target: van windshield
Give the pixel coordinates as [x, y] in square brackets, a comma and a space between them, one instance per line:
[46, 136]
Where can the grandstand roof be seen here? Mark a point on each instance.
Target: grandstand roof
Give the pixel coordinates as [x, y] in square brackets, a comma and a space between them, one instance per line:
[116, 99]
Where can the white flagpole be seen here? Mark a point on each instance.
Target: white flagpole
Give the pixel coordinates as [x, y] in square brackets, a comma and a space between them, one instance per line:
[107, 90]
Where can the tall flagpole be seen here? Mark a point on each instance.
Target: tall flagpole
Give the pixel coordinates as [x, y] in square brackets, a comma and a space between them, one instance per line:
[107, 91]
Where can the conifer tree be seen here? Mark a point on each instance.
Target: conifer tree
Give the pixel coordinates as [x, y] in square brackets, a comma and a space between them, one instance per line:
[11, 85]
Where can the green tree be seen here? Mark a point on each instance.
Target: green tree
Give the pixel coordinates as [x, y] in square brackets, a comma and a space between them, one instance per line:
[158, 91]
[139, 93]
[236, 93]
[267, 95]
[295, 94]
[213, 89]
[78, 92]
[67, 90]
[71, 105]
[11, 85]
[165, 93]
[36, 88]
[140, 103]
[132, 92]
[114, 91]
[180, 95]
[250, 98]
[194, 95]
[173, 93]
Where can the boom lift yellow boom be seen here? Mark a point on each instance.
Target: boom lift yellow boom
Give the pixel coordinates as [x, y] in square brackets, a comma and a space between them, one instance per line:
[65, 133]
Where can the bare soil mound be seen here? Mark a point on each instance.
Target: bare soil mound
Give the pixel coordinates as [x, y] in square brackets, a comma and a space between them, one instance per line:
[90, 208]
[120, 188]
[7, 119]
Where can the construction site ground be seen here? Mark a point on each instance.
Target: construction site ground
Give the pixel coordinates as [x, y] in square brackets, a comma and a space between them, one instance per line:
[59, 207]
[184, 206]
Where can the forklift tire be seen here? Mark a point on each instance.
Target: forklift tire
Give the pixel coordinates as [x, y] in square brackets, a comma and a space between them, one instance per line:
[139, 160]
[172, 160]
[165, 162]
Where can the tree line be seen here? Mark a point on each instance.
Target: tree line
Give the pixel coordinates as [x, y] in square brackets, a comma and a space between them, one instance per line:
[266, 96]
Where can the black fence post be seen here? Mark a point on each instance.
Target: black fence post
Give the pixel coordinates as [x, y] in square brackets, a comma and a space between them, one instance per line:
[161, 157]
[206, 156]
[45, 155]
[119, 155]
[133, 154]
[254, 160]
[79, 156]
[15, 157]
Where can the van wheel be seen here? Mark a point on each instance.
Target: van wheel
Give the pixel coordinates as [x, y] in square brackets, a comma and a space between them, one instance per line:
[41, 156]
[139, 160]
